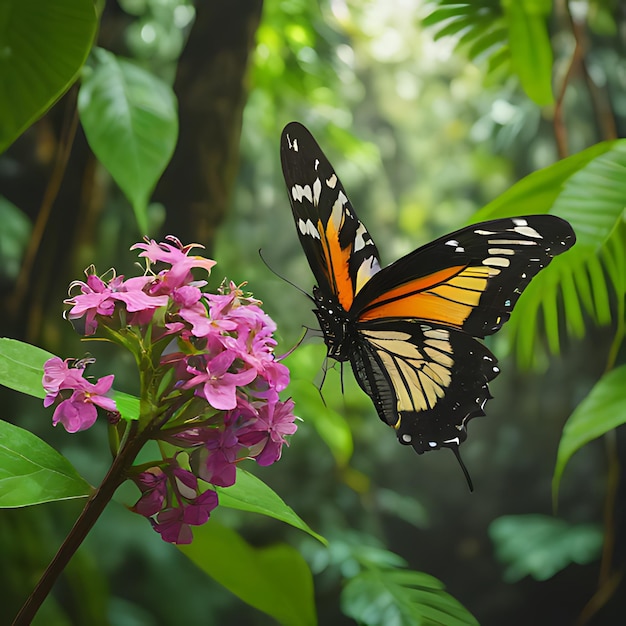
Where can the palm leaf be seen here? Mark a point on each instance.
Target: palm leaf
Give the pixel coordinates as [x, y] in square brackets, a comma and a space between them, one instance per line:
[602, 410]
[501, 33]
[589, 191]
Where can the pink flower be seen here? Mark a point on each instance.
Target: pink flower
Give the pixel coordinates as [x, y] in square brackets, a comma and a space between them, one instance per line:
[79, 411]
[216, 384]
[100, 298]
[266, 436]
[57, 375]
[174, 525]
[177, 256]
[153, 484]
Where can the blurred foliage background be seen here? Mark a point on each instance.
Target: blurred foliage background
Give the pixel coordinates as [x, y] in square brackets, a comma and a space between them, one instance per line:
[428, 112]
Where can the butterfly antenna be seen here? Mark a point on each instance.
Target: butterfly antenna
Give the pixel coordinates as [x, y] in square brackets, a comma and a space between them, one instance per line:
[468, 478]
[271, 269]
[296, 345]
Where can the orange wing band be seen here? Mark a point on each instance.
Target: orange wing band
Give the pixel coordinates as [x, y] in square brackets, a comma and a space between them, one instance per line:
[447, 296]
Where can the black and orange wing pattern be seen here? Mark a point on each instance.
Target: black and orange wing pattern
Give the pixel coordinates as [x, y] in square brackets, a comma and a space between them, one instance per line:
[409, 330]
[340, 251]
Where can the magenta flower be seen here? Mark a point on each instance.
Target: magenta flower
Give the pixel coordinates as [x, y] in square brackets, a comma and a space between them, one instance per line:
[216, 461]
[153, 484]
[100, 298]
[177, 256]
[174, 524]
[208, 371]
[266, 436]
[79, 411]
[57, 375]
[216, 384]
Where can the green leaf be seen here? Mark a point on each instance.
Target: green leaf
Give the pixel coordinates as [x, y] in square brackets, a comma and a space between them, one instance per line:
[275, 580]
[31, 472]
[601, 411]
[44, 45]
[537, 192]
[127, 405]
[531, 52]
[540, 546]
[401, 597]
[589, 191]
[250, 493]
[21, 366]
[131, 123]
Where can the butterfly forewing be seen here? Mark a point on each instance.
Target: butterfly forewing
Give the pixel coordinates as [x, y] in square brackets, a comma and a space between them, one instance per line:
[470, 279]
[339, 249]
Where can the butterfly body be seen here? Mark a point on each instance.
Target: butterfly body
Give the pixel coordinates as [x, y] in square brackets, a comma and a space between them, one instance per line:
[410, 330]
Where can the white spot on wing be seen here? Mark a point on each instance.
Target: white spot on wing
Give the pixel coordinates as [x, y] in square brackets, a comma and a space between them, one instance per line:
[498, 251]
[359, 238]
[497, 261]
[308, 228]
[317, 190]
[527, 231]
[332, 181]
[298, 192]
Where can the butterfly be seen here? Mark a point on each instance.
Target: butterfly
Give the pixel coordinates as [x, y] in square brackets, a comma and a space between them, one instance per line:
[410, 330]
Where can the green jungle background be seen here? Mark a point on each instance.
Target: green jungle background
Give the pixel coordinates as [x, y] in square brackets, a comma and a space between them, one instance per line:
[428, 111]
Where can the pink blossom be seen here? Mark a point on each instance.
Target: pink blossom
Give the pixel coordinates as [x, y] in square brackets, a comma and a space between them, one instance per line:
[79, 411]
[100, 298]
[266, 436]
[177, 256]
[174, 525]
[216, 384]
[153, 484]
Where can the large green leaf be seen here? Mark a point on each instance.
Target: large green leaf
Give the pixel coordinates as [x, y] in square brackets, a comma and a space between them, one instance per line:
[131, 123]
[401, 597]
[602, 410]
[31, 472]
[540, 546]
[43, 46]
[21, 366]
[537, 192]
[250, 493]
[529, 42]
[275, 580]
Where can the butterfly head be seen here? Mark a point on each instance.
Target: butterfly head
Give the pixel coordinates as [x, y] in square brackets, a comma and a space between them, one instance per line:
[335, 324]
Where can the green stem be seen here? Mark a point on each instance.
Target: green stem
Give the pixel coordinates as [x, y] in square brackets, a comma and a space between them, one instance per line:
[93, 509]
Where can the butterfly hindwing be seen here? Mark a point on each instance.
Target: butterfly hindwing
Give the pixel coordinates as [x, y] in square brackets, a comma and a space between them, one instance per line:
[339, 249]
[470, 279]
[426, 380]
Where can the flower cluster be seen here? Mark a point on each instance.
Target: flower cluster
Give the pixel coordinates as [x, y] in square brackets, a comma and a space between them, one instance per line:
[210, 380]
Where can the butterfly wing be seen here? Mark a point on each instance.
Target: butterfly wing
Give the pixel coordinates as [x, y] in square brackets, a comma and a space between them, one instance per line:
[469, 280]
[416, 356]
[339, 249]
[409, 329]
[426, 380]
